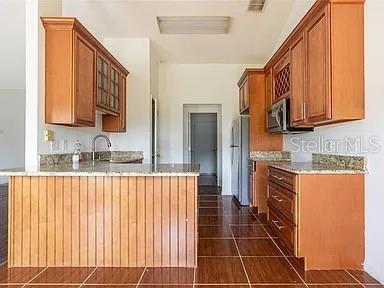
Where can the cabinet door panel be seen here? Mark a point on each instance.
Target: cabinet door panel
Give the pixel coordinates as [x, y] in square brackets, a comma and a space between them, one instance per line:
[268, 88]
[246, 95]
[298, 82]
[318, 92]
[123, 104]
[85, 57]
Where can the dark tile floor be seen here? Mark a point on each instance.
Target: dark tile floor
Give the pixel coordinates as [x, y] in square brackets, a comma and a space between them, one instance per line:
[236, 249]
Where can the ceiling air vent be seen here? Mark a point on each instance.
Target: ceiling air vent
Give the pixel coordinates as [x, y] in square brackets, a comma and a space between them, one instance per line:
[194, 24]
[256, 5]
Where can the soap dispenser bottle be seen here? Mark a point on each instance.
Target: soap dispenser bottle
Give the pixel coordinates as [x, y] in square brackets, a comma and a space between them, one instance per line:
[76, 158]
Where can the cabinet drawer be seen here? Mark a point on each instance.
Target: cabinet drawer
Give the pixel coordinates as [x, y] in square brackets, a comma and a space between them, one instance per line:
[283, 178]
[283, 199]
[284, 229]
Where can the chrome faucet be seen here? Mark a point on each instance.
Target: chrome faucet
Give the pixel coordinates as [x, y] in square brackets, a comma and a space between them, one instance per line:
[94, 144]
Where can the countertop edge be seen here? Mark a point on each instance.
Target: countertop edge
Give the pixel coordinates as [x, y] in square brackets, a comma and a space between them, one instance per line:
[93, 174]
[330, 170]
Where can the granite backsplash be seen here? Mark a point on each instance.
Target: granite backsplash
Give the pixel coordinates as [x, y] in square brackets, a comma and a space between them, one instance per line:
[54, 159]
[343, 161]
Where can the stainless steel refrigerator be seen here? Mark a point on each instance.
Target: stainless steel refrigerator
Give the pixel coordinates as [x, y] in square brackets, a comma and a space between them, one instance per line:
[239, 159]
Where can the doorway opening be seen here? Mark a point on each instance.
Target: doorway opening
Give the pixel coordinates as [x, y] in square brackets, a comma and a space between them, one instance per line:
[204, 146]
[202, 142]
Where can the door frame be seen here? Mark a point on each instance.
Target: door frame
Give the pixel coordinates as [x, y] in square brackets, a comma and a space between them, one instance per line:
[188, 109]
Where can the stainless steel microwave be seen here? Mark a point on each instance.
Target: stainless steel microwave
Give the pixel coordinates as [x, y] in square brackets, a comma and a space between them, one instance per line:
[279, 120]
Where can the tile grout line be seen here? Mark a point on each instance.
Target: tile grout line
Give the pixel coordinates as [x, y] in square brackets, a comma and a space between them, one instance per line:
[238, 251]
[141, 276]
[89, 276]
[354, 277]
[33, 278]
[281, 251]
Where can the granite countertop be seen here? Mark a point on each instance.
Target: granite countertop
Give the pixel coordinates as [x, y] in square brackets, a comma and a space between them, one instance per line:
[101, 168]
[270, 156]
[315, 168]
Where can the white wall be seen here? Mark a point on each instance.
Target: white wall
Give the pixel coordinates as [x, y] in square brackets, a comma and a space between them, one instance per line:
[12, 47]
[12, 84]
[366, 130]
[12, 107]
[134, 54]
[299, 9]
[196, 84]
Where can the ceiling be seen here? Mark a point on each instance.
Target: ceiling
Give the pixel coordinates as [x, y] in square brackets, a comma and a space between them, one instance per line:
[251, 39]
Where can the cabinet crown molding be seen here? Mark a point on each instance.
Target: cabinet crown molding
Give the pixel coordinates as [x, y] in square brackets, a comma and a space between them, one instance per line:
[71, 23]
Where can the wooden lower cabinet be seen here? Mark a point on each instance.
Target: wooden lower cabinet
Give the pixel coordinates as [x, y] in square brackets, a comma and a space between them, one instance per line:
[320, 220]
[259, 186]
[3, 223]
[102, 221]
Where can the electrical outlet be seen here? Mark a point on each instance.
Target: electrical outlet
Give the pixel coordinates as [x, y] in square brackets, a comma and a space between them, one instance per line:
[64, 145]
[55, 146]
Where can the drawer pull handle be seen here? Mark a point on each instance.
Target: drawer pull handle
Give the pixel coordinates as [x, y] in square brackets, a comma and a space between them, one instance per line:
[277, 177]
[277, 198]
[276, 223]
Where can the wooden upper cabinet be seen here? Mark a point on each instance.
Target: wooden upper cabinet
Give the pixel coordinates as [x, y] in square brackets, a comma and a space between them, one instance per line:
[326, 65]
[298, 105]
[70, 61]
[244, 94]
[259, 138]
[318, 74]
[81, 76]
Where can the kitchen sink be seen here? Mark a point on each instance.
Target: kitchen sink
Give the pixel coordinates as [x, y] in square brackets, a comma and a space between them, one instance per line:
[122, 161]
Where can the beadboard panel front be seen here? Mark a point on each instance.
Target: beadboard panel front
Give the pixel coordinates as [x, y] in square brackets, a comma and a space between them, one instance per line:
[102, 221]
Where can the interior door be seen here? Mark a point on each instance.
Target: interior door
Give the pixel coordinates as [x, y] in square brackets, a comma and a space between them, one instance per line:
[204, 142]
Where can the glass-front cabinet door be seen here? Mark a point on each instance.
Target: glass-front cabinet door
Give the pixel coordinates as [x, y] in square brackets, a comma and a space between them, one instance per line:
[114, 96]
[103, 82]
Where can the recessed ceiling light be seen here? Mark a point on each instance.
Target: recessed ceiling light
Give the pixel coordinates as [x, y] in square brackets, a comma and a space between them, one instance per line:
[194, 24]
[256, 5]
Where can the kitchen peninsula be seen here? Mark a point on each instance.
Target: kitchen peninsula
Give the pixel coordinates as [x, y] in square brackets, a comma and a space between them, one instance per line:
[103, 214]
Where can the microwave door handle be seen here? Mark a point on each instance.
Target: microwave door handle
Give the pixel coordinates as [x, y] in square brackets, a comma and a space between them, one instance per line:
[278, 119]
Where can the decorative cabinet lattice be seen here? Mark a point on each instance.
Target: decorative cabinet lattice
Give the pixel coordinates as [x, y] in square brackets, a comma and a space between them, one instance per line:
[283, 82]
[282, 78]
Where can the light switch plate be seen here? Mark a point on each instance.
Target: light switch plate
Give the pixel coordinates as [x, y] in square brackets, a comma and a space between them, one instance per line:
[48, 135]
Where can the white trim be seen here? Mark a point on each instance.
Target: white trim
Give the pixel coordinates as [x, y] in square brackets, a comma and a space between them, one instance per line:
[203, 108]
